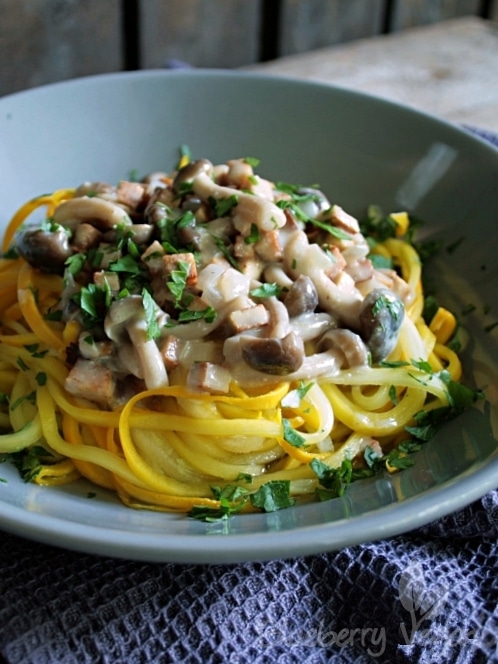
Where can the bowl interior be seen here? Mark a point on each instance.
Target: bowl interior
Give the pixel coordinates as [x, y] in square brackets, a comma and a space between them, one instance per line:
[360, 150]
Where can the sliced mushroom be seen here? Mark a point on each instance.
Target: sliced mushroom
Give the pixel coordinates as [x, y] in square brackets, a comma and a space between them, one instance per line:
[141, 233]
[85, 237]
[312, 325]
[188, 173]
[125, 321]
[381, 316]
[273, 356]
[278, 325]
[245, 375]
[338, 296]
[314, 201]
[302, 296]
[96, 211]
[250, 209]
[45, 250]
[346, 345]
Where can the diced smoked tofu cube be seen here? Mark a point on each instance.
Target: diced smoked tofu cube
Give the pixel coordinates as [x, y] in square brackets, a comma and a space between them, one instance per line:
[171, 264]
[170, 351]
[107, 279]
[249, 318]
[90, 381]
[130, 193]
[209, 377]
[269, 247]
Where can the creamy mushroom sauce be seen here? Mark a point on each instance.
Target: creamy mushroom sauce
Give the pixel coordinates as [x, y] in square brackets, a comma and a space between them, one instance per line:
[213, 274]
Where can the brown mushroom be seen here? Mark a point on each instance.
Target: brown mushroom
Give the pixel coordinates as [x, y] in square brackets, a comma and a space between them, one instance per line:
[347, 345]
[46, 250]
[381, 316]
[188, 173]
[273, 356]
[125, 322]
[96, 211]
[302, 296]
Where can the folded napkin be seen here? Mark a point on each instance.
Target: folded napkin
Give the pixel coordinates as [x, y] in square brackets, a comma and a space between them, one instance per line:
[428, 596]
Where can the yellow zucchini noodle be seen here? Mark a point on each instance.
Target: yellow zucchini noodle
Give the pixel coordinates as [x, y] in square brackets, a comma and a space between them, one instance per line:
[251, 353]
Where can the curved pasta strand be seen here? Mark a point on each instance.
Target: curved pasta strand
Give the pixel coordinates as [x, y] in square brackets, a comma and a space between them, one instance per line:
[96, 455]
[29, 435]
[372, 423]
[50, 201]
[27, 301]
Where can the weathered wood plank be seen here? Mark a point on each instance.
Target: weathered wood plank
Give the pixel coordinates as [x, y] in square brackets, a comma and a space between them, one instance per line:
[203, 33]
[449, 69]
[318, 23]
[411, 13]
[50, 40]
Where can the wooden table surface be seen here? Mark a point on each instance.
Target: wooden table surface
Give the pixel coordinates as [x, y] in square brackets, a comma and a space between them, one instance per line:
[447, 69]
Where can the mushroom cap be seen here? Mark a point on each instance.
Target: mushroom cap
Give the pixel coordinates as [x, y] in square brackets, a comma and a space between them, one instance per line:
[45, 250]
[190, 171]
[346, 345]
[120, 314]
[273, 356]
[381, 316]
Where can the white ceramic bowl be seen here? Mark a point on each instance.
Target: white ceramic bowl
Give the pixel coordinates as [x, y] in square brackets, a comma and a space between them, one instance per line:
[360, 150]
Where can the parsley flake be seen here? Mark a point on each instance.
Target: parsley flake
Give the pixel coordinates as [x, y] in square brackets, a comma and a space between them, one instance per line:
[150, 308]
[223, 206]
[291, 436]
[266, 290]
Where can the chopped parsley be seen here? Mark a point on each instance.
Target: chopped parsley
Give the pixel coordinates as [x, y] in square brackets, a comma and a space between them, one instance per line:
[266, 290]
[223, 206]
[93, 300]
[270, 497]
[28, 461]
[377, 225]
[430, 308]
[177, 283]
[291, 436]
[55, 315]
[302, 216]
[294, 397]
[273, 496]
[208, 314]
[34, 351]
[75, 264]
[150, 308]
[127, 264]
[41, 378]
[254, 236]
[50, 226]
[380, 262]
[333, 482]
[393, 306]
[173, 221]
[22, 364]
[31, 398]
[225, 250]
[185, 155]
[11, 254]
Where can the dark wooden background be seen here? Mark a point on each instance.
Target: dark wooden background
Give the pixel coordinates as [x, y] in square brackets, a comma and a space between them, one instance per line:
[42, 41]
